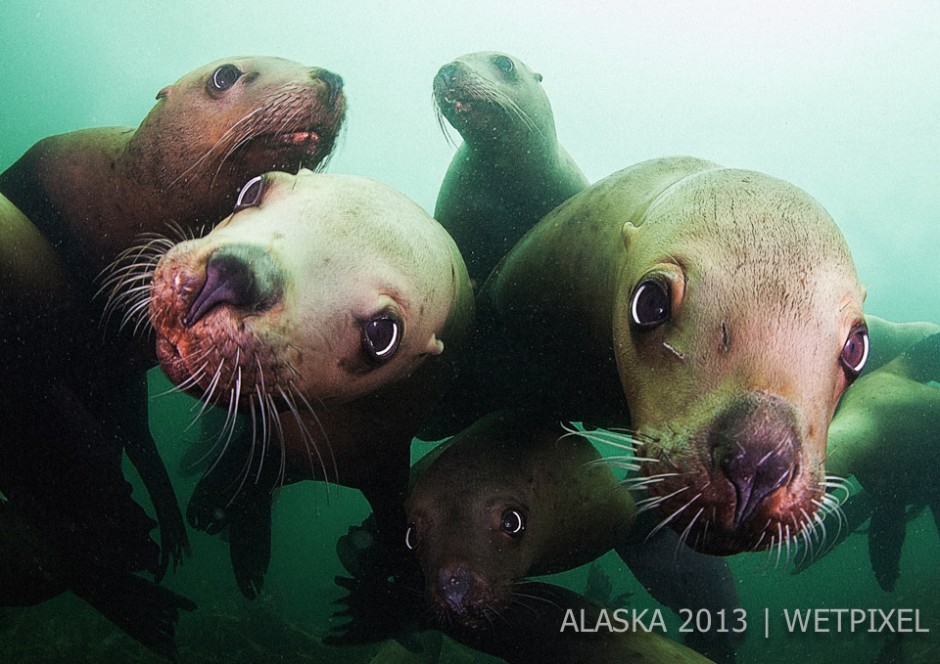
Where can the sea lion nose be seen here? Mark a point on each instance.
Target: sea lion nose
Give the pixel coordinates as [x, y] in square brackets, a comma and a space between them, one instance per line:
[755, 443]
[455, 586]
[240, 276]
[334, 83]
[448, 75]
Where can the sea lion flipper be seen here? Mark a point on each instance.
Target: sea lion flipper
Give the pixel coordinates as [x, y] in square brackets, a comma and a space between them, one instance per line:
[143, 609]
[174, 542]
[250, 539]
[885, 539]
[130, 424]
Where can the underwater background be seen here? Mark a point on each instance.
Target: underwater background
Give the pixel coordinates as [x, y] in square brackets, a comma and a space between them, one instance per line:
[841, 98]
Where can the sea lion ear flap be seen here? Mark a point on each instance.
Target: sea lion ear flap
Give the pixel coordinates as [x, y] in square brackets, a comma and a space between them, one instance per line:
[163, 93]
[538, 77]
[435, 346]
[628, 234]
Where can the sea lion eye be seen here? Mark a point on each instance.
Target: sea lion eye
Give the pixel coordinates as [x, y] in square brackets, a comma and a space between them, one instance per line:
[411, 537]
[250, 194]
[504, 63]
[224, 77]
[512, 523]
[381, 336]
[855, 352]
[650, 304]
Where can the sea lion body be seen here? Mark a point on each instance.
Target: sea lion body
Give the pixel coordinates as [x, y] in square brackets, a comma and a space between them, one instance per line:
[510, 170]
[505, 500]
[890, 338]
[713, 311]
[323, 308]
[68, 521]
[93, 192]
[887, 434]
[88, 194]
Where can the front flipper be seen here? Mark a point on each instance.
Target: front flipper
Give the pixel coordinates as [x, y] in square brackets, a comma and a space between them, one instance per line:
[235, 495]
[885, 539]
[143, 609]
[130, 424]
[249, 538]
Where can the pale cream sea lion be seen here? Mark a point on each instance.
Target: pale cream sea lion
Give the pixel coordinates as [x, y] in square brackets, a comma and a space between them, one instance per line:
[328, 307]
[716, 312]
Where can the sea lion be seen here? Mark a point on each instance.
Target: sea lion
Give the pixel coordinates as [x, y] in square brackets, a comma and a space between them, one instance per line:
[504, 500]
[90, 193]
[322, 307]
[716, 312]
[887, 434]
[93, 192]
[510, 170]
[509, 498]
[891, 338]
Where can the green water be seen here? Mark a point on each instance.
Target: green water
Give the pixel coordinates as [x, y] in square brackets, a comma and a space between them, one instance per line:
[841, 98]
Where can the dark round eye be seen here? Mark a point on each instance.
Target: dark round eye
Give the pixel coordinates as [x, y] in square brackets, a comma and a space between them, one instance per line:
[224, 77]
[411, 537]
[381, 336]
[855, 352]
[512, 523]
[250, 194]
[504, 63]
[650, 304]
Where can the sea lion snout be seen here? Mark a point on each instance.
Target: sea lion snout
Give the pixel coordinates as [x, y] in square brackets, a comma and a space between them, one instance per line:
[455, 586]
[241, 276]
[334, 84]
[756, 445]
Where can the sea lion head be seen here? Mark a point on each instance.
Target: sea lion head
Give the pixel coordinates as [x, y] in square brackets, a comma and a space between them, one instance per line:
[474, 539]
[493, 99]
[738, 324]
[317, 289]
[507, 499]
[233, 119]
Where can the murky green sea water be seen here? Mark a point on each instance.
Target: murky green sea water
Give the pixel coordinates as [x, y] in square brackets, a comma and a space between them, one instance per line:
[840, 98]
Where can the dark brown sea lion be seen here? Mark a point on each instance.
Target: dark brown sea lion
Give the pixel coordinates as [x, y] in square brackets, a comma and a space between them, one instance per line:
[887, 434]
[510, 170]
[503, 500]
[323, 307]
[90, 193]
[716, 312]
[509, 498]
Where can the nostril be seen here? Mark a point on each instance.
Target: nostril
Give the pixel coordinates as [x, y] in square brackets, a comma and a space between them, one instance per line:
[455, 586]
[334, 83]
[243, 277]
[755, 444]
